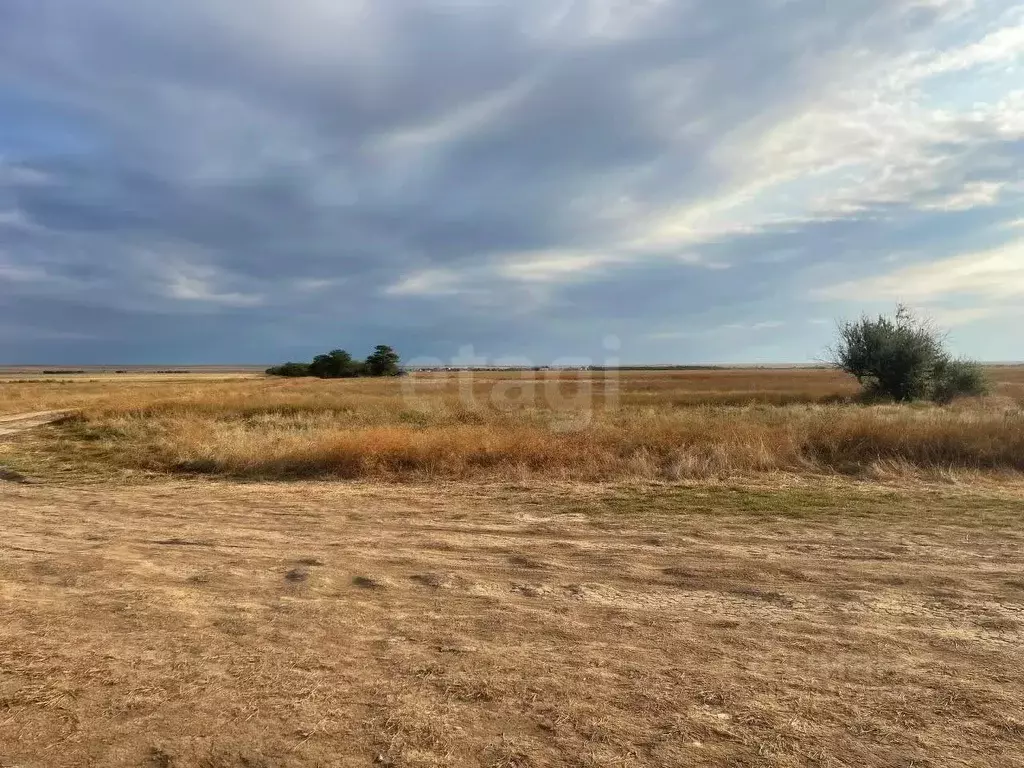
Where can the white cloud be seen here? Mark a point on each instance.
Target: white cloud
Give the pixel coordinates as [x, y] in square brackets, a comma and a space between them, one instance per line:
[728, 328]
[456, 125]
[879, 135]
[316, 284]
[952, 317]
[534, 271]
[429, 282]
[1000, 47]
[995, 274]
[14, 174]
[973, 195]
[19, 273]
[15, 219]
[553, 266]
[195, 283]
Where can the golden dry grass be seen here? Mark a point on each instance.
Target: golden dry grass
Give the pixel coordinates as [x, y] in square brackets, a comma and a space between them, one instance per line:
[595, 427]
[522, 620]
[197, 624]
[22, 393]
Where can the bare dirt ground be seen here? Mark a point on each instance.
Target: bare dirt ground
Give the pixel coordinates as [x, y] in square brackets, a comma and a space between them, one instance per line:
[20, 422]
[216, 624]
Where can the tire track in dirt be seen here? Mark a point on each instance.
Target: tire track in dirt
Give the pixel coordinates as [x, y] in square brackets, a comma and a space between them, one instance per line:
[22, 422]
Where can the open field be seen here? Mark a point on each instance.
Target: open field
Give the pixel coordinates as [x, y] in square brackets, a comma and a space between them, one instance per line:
[593, 427]
[33, 371]
[24, 390]
[27, 390]
[324, 624]
[701, 568]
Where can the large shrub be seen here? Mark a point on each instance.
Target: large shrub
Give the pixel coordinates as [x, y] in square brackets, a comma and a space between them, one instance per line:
[336, 364]
[383, 362]
[339, 364]
[903, 358]
[958, 378]
[290, 369]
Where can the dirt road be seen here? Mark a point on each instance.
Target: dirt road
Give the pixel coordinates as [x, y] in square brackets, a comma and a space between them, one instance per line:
[16, 424]
[19, 422]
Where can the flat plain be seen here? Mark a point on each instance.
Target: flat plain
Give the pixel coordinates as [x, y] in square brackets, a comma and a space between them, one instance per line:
[707, 568]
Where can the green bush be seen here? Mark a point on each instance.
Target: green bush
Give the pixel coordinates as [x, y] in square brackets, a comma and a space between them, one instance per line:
[339, 364]
[903, 358]
[958, 378]
[383, 362]
[336, 364]
[290, 369]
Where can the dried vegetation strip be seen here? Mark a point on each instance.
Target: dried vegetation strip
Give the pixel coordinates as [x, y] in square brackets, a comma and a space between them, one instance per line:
[636, 425]
[383, 440]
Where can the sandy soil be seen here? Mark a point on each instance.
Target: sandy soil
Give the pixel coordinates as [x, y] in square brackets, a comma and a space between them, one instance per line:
[220, 624]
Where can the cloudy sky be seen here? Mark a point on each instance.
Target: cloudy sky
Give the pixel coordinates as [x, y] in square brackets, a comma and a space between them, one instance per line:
[644, 180]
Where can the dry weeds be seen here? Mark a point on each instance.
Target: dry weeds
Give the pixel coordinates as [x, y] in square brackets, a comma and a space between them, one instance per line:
[183, 624]
[21, 392]
[643, 425]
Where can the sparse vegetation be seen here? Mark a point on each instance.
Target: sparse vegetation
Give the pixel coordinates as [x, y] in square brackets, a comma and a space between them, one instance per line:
[665, 426]
[903, 358]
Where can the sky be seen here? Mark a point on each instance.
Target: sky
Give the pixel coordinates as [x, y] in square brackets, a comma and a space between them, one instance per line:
[511, 181]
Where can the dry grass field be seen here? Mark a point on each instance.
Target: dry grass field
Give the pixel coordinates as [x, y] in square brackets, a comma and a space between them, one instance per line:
[703, 568]
[592, 427]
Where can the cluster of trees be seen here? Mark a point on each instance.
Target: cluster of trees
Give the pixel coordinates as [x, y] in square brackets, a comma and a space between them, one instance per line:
[339, 364]
[904, 358]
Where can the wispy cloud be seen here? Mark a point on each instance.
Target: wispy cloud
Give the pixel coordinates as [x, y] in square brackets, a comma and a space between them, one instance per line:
[15, 219]
[431, 282]
[719, 330]
[192, 283]
[317, 284]
[16, 273]
[994, 274]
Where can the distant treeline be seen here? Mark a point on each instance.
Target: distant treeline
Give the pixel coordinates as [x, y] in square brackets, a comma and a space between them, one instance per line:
[780, 367]
[66, 372]
[339, 364]
[657, 368]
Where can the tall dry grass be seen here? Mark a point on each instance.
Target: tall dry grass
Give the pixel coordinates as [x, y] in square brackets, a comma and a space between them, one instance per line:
[642, 426]
[24, 394]
[659, 389]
